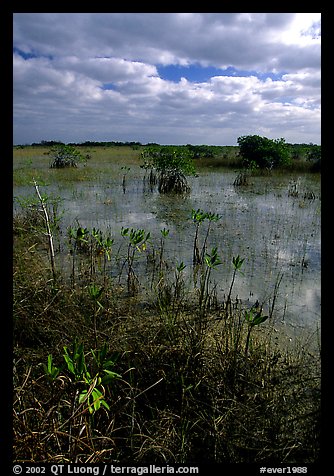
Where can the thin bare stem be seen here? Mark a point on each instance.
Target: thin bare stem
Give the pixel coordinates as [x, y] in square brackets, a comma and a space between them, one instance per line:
[48, 230]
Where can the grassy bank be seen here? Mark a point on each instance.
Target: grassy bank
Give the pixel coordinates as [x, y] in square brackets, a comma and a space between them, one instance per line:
[102, 375]
[34, 161]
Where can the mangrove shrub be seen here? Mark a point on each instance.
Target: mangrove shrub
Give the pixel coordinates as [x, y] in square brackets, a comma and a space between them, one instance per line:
[170, 166]
[63, 155]
[264, 153]
[314, 156]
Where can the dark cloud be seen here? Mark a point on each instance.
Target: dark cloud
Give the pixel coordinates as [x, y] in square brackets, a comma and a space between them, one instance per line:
[242, 40]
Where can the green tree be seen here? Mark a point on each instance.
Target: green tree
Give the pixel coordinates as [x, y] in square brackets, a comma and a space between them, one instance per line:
[314, 156]
[63, 155]
[257, 151]
[171, 164]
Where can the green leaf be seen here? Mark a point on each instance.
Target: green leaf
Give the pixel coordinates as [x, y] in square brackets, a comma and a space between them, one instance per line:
[105, 404]
[249, 316]
[109, 376]
[82, 396]
[259, 319]
[95, 291]
[50, 363]
[180, 266]
[51, 370]
[97, 395]
[212, 259]
[69, 363]
[108, 363]
[237, 262]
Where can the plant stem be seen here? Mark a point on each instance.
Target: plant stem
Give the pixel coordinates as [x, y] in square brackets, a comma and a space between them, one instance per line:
[228, 301]
[248, 339]
[277, 285]
[205, 241]
[196, 255]
[48, 231]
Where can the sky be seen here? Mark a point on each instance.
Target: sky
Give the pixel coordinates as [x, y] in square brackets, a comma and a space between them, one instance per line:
[169, 78]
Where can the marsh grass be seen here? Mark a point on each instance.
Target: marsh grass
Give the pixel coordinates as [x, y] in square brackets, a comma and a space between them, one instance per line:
[34, 162]
[195, 385]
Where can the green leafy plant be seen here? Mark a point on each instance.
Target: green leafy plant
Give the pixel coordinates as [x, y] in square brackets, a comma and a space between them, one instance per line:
[179, 283]
[104, 363]
[51, 371]
[63, 155]
[137, 243]
[253, 318]
[91, 383]
[93, 396]
[75, 360]
[212, 260]
[199, 216]
[106, 246]
[171, 165]
[264, 152]
[237, 264]
[78, 240]
[314, 156]
[211, 217]
[101, 246]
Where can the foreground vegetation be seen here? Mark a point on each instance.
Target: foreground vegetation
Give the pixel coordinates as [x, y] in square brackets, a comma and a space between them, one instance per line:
[101, 374]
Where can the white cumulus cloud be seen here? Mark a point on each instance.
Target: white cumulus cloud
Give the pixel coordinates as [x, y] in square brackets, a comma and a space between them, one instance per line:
[92, 76]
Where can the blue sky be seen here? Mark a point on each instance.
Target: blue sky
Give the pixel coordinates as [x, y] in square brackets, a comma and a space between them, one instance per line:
[171, 78]
[199, 73]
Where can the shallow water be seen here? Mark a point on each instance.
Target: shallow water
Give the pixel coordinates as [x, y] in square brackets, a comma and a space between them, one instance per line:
[278, 234]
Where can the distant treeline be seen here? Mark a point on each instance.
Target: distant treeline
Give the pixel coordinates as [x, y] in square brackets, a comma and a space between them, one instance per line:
[87, 143]
[209, 150]
[196, 150]
[296, 151]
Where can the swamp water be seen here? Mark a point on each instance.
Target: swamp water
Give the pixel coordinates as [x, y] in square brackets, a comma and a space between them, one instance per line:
[274, 223]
